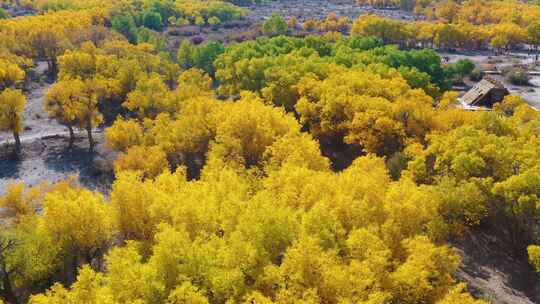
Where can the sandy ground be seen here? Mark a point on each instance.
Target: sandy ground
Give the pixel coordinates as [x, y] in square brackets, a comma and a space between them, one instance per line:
[45, 156]
[49, 159]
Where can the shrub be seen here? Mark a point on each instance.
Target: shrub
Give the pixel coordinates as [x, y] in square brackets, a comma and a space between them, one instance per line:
[518, 76]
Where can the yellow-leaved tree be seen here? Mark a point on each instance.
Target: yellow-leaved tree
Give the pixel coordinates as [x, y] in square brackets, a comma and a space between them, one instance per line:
[534, 256]
[12, 104]
[75, 103]
[80, 222]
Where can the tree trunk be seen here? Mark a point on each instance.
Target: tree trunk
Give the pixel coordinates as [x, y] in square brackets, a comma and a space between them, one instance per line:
[7, 292]
[17, 142]
[71, 136]
[90, 138]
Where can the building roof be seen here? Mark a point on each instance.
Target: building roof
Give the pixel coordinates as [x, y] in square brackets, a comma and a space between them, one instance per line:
[480, 90]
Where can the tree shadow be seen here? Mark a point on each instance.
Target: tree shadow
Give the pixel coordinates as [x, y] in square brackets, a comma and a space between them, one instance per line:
[80, 162]
[9, 162]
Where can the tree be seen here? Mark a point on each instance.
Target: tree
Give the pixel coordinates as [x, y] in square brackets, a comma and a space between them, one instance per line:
[390, 31]
[533, 34]
[48, 44]
[76, 103]
[124, 134]
[185, 54]
[459, 295]
[462, 68]
[507, 35]
[7, 290]
[152, 20]
[155, 161]
[411, 279]
[243, 130]
[80, 222]
[10, 74]
[275, 25]
[89, 288]
[12, 104]
[149, 98]
[61, 104]
[203, 56]
[125, 25]
[187, 293]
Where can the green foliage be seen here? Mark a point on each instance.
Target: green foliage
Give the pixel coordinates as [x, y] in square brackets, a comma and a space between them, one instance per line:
[275, 25]
[4, 14]
[152, 20]
[125, 25]
[204, 56]
[257, 65]
[201, 57]
[461, 68]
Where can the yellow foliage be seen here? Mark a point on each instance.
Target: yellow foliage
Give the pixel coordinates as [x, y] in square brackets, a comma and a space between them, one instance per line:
[426, 274]
[11, 109]
[246, 128]
[534, 256]
[459, 295]
[19, 202]
[147, 161]
[124, 134]
[10, 73]
[78, 219]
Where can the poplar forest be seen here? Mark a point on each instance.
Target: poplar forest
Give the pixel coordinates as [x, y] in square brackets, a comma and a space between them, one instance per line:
[269, 151]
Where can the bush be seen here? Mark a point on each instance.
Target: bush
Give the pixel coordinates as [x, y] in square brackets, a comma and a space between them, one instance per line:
[518, 76]
[476, 75]
[275, 25]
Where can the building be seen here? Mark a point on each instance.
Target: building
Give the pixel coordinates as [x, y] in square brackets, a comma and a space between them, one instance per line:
[484, 94]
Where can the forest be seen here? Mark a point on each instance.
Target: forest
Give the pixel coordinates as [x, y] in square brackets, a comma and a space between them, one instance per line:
[294, 160]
